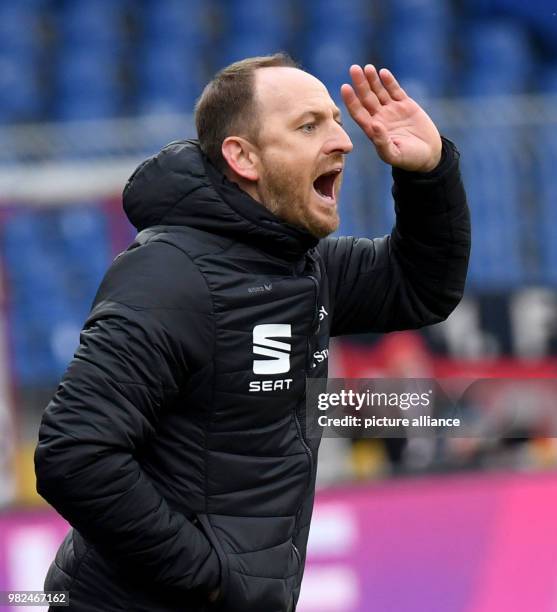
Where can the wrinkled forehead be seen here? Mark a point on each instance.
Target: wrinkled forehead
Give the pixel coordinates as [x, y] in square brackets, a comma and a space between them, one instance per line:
[284, 91]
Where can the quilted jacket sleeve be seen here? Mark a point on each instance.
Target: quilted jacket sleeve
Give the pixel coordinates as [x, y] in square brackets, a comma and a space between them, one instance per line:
[415, 276]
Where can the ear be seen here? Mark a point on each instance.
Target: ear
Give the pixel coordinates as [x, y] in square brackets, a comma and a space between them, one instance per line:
[241, 157]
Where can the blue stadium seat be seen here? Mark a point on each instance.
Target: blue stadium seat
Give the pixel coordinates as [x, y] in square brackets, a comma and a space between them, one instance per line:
[18, 27]
[546, 180]
[84, 237]
[418, 58]
[177, 21]
[336, 35]
[502, 44]
[417, 45]
[331, 59]
[254, 28]
[45, 340]
[87, 85]
[87, 107]
[547, 81]
[63, 341]
[331, 15]
[479, 82]
[353, 208]
[54, 261]
[495, 207]
[419, 13]
[83, 71]
[35, 5]
[79, 224]
[20, 94]
[29, 245]
[83, 22]
[352, 40]
[38, 275]
[545, 30]
[252, 17]
[169, 79]
[537, 15]
[22, 228]
[32, 361]
[498, 58]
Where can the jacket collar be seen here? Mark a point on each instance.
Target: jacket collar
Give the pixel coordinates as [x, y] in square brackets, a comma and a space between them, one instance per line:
[180, 186]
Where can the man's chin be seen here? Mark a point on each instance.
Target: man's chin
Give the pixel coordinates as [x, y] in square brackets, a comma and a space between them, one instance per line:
[322, 227]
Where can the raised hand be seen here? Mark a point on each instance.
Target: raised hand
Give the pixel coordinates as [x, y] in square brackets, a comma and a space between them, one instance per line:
[400, 129]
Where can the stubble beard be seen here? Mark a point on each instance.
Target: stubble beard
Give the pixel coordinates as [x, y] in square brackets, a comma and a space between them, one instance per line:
[283, 194]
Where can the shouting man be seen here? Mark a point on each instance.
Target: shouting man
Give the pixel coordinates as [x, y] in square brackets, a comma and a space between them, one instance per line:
[176, 444]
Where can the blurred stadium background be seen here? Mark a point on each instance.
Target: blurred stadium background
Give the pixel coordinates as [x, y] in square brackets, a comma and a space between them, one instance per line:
[88, 88]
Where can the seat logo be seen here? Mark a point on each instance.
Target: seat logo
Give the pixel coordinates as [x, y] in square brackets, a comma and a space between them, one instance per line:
[265, 345]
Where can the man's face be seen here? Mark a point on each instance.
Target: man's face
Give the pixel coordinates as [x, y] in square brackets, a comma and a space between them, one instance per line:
[301, 146]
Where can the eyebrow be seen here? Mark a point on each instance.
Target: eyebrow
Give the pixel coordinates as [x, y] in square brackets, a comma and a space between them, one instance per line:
[337, 114]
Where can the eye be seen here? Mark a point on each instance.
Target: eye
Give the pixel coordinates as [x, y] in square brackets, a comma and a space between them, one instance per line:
[308, 127]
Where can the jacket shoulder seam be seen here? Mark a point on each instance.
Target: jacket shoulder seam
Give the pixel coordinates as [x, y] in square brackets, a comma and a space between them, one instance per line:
[161, 237]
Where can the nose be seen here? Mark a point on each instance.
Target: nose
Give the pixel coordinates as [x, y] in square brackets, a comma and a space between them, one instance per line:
[339, 141]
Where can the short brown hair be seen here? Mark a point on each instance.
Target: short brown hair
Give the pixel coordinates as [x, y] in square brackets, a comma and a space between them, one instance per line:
[227, 105]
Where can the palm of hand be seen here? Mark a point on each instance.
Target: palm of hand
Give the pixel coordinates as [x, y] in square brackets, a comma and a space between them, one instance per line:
[402, 132]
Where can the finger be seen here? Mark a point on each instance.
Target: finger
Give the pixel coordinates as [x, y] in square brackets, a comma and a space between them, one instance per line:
[386, 149]
[361, 86]
[374, 129]
[376, 85]
[356, 109]
[391, 85]
[380, 135]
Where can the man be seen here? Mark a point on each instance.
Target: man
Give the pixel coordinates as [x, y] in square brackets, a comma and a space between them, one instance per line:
[176, 443]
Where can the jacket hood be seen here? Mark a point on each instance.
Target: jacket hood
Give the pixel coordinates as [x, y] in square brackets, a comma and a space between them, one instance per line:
[180, 186]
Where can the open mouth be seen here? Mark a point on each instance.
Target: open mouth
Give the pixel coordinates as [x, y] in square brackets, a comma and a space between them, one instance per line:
[324, 184]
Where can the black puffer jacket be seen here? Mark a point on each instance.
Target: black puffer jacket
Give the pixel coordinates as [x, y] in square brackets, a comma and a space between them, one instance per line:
[175, 444]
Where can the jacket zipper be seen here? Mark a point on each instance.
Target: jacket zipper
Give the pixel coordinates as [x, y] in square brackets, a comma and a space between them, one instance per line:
[315, 321]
